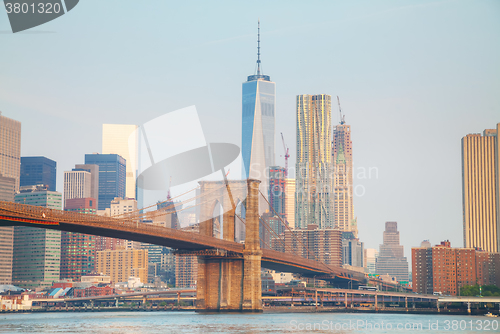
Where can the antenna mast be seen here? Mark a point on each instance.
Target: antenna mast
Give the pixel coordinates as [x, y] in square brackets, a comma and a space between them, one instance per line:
[258, 47]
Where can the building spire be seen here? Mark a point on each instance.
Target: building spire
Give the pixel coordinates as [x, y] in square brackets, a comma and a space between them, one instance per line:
[258, 47]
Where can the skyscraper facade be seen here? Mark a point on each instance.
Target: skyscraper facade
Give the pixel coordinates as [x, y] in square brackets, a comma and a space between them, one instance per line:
[77, 184]
[94, 180]
[7, 191]
[10, 161]
[111, 177]
[78, 249]
[258, 125]
[37, 251]
[370, 258]
[352, 250]
[313, 198]
[277, 194]
[122, 139]
[342, 178]
[10, 148]
[391, 260]
[324, 245]
[123, 263]
[290, 202]
[38, 170]
[481, 190]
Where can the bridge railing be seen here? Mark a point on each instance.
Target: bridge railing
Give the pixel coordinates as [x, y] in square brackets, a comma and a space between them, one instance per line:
[42, 214]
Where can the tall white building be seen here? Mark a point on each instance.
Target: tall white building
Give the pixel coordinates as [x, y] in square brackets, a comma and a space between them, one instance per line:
[117, 139]
[77, 184]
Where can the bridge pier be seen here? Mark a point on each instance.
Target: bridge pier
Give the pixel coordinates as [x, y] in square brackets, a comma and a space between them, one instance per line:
[226, 281]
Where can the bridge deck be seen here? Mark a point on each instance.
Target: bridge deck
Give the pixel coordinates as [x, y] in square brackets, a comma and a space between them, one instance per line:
[14, 214]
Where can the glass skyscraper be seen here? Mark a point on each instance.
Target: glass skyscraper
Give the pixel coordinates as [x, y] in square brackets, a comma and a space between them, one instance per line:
[111, 177]
[38, 170]
[257, 142]
[37, 251]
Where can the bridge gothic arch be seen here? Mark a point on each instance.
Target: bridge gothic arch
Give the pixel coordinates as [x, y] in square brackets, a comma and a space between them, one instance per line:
[229, 281]
[219, 201]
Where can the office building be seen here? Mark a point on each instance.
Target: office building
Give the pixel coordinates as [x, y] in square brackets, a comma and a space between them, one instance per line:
[391, 260]
[77, 184]
[277, 192]
[125, 208]
[38, 170]
[123, 263]
[94, 180]
[445, 270]
[258, 125]
[157, 258]
[271, 226]
[186, 271]
[290, 202]
[352, 250]
[10, 162]
[324, 245]
[481, 190]
[370, 259]
[78, 249]
[166, 214]
[342, 178]
[313, 200]
[7, 190]
[119, 207]
[425, 244]
[122, 139]
[186, 266]
[10, 149]
[37, 251]
[111, 177]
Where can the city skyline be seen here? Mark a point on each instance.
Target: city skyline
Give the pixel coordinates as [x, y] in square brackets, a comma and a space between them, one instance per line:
[378, 115]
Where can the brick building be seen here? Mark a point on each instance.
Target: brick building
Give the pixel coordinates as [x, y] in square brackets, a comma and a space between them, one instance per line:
[93, 291]
[445, 269]
[323, 245]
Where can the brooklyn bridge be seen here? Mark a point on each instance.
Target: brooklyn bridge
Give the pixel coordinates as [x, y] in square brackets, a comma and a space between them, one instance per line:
[229, 272]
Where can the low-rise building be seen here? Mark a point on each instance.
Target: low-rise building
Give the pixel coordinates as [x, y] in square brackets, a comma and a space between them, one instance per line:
[442, 269]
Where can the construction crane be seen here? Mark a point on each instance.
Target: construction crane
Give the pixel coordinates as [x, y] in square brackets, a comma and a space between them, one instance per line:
[287, 155]
[342, 117]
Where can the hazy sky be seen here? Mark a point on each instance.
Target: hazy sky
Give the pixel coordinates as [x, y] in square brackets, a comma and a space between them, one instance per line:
[413, 77]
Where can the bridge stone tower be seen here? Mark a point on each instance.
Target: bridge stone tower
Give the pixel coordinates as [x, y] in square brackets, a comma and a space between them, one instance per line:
[229, 281]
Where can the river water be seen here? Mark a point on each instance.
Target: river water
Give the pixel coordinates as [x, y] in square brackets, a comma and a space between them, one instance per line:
[191, 322]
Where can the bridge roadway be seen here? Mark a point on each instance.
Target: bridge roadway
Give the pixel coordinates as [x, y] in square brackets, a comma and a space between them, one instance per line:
[14, 214]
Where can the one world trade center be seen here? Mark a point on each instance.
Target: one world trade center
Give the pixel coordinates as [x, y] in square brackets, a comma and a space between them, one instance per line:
[257, 142]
